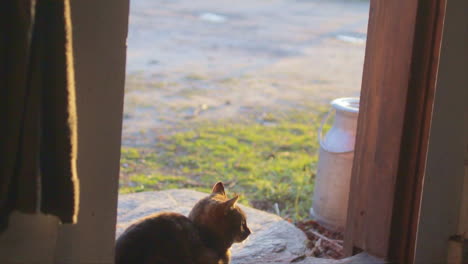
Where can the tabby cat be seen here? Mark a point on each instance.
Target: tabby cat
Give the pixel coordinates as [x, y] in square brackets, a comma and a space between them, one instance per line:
[204, 237]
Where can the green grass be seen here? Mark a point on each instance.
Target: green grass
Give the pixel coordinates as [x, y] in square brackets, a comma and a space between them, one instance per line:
[195, 77]
[265, 164]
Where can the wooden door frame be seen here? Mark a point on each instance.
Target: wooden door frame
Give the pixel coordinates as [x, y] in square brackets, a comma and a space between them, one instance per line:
[397, 95]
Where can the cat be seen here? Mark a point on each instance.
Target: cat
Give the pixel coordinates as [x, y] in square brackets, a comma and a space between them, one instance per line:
[204, 237]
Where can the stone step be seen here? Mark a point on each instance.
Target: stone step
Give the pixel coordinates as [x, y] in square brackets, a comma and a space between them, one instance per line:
[273, 240]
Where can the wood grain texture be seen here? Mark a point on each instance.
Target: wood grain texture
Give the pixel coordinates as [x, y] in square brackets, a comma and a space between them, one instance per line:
[415, 138]
[396, 104]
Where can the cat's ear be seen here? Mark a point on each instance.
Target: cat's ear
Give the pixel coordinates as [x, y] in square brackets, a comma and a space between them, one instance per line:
[231, 202]
[218, 188]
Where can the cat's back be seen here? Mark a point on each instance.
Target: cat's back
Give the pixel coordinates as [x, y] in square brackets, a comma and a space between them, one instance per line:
[164, 238]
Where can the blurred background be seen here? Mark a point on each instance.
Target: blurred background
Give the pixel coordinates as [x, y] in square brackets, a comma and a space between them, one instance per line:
[235, 91]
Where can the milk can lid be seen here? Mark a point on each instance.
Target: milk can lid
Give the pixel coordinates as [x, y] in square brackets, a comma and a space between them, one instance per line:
[346, 104]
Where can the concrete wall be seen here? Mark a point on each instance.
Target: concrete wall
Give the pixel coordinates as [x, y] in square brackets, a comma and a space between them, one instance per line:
[99, 32]
[444, 198]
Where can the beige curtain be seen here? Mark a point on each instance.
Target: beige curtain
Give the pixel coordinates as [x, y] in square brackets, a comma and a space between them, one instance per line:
[38, 127]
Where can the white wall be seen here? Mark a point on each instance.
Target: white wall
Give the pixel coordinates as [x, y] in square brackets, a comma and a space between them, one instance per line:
[99, 33]
[443, 197]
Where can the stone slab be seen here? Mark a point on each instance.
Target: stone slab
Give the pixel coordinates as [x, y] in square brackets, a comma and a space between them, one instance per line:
[273, 240]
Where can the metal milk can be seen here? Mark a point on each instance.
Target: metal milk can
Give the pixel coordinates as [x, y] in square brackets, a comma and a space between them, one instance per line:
[330, 198]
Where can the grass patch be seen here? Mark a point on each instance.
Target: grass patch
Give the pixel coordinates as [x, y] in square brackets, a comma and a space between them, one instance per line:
[195, 77]
[265, 164]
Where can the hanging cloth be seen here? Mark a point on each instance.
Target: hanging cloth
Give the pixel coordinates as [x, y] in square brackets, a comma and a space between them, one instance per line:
[38, 122]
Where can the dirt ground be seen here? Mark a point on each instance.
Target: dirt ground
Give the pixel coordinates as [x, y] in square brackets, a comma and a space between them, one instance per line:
[190, 61]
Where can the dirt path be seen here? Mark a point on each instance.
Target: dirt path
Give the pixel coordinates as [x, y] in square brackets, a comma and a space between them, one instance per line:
[207, 60]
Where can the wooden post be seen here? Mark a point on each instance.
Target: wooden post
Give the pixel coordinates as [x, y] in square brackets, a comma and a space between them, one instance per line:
[400, 70]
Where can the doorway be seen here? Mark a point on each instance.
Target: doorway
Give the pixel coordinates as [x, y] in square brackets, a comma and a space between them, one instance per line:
[236, 93]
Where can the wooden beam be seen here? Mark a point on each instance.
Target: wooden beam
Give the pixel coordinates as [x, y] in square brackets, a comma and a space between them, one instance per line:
[400, 70]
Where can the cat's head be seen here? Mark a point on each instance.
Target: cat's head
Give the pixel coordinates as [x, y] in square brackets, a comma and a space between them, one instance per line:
[221, 215]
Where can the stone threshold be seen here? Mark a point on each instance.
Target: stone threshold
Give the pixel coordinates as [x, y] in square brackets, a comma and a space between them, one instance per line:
[273, 240]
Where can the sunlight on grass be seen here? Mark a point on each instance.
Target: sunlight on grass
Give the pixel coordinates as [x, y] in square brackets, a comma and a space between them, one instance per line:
[265, 164]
